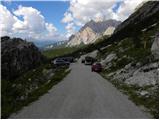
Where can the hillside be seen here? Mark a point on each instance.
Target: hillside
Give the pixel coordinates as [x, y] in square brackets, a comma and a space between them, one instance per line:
[134, 70]
[59, 51]
[26, 74]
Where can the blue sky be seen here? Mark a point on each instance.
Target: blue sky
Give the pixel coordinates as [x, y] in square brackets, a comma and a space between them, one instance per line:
[52, 10]
[57, 20]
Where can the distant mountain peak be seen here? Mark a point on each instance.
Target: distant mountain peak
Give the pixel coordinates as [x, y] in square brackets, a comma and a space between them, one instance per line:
[100, 26]
[91, 31]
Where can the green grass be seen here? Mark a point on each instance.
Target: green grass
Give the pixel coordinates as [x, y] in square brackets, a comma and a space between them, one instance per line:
[58, 52]
[151, 102]
[59, 75]
[13, 90]
[129, 54]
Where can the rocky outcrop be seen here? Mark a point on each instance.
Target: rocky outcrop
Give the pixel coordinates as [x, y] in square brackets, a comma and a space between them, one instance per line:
[144, 16]
[91, 31]
[86, 36]
[101, 26]
[18, 56]
[108, 59]
[109, 31]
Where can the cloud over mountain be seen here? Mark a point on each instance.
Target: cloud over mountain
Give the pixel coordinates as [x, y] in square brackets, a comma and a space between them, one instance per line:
[29, 22]
[82, 11]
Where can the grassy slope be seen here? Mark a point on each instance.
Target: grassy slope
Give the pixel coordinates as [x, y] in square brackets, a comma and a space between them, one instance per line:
[75, 51]
[58, 52]
[134, 54]
[28, 87]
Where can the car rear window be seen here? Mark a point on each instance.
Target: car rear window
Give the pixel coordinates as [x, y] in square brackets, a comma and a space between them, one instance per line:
[60, 61]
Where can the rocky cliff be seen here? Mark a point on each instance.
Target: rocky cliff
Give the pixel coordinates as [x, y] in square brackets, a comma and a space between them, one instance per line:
[109, 31]
[91, 31]
[18, 56]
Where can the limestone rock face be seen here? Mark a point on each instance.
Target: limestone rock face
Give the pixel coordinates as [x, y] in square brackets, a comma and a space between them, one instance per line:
[109, 31]
[86, 36]
[18, 56]
[91, 31]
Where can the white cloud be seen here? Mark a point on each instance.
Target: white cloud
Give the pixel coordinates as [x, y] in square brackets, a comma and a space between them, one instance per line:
[82, 11]
[85, 10]
[127, 8]
[70, 29]
[6, 20]
[68, 18]
[32, 24]
[32, 19]
[50, 28]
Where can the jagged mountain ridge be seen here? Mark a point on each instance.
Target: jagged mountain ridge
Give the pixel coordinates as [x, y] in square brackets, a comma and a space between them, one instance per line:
[91, 31]
[101, 26]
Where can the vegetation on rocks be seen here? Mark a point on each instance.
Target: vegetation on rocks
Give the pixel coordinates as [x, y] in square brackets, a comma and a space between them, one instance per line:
[132, 57]
[29, 87]
[145, 97]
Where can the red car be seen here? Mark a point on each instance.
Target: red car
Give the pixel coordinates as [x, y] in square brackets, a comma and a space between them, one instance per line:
[96, 67]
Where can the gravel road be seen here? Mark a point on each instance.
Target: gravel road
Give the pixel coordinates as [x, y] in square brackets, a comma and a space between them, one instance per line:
[82, 94]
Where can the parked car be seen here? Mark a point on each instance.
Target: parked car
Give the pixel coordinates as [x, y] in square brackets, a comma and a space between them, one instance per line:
[68, 59]
[89, 60]
[96, 67]
[61, 62]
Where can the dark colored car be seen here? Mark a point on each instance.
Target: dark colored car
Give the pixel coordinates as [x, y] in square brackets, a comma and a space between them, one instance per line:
[68, 59]
[88, 60]
[61, 62]
[96, 67]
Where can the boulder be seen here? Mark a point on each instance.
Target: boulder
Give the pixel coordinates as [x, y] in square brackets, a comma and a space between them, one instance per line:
[109, 58]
